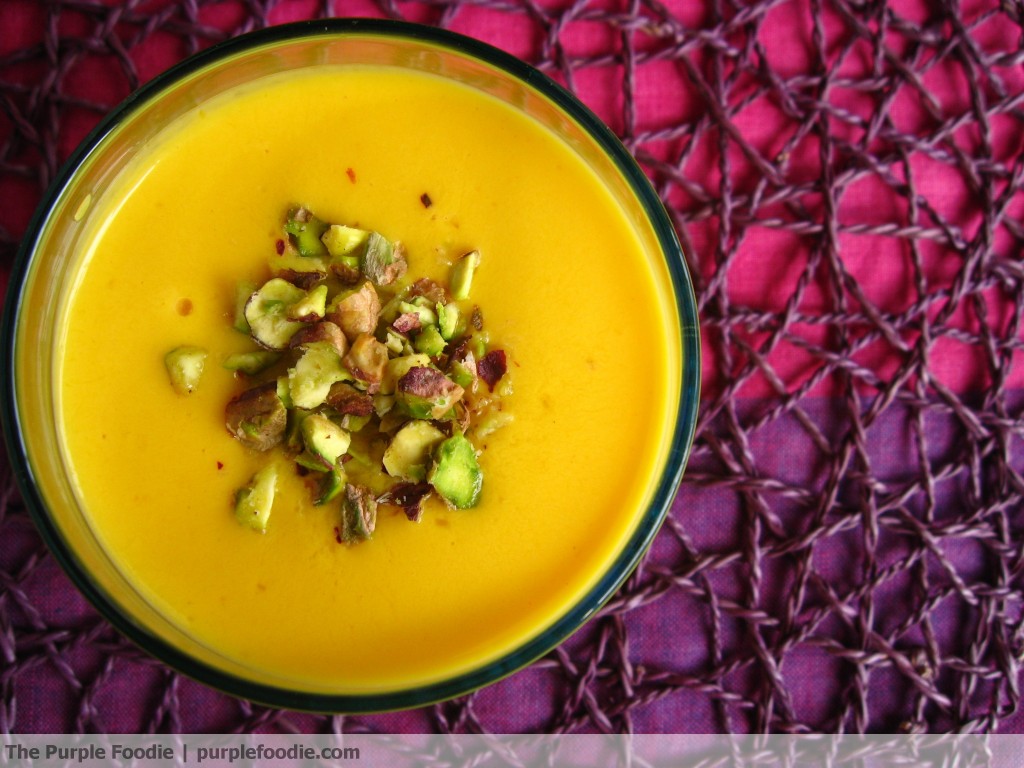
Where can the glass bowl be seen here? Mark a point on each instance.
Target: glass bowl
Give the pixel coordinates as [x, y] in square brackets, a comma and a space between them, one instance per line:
[48, 267]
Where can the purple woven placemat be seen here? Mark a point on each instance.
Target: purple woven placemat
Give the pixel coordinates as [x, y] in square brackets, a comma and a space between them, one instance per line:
[845, 553]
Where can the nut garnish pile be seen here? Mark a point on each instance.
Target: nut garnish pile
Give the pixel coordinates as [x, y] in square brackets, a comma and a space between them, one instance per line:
[376, 387]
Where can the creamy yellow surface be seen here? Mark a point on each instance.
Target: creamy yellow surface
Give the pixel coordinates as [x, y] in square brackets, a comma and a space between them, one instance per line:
[563, 286]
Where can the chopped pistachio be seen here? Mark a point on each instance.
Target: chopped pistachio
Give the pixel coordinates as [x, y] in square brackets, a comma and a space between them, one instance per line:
[426, 393]
[257, 418]
[331, 485]
[390, 311]
[185, 367]
[325, 331]
[392, 421]
[456, 474]
[359, 514]
[359, 453]
[447, 320]
[294, 268]
[366, 359]
[324, 439]
[396, 343]
[383, 261]
[243, 291]
[284, 392]
[341, 240]
[429, 289]
[397, 368]
[459, 417]
[354, 423]
[305, 231]
[310, 461]
[254, 502]
[408, 454]
[425, 314]
[346, 269]
[310, 381]
[407, 322]
[349, 401]
[266, 313]
[462, 370]
[310, 307]
[356, 312]
[429, 341]
[461, 279]
[306, 280]
[251, 362]
[383, 403]
[366, 382]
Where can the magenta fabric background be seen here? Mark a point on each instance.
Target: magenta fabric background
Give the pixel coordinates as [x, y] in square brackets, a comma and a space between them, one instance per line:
[845, 552]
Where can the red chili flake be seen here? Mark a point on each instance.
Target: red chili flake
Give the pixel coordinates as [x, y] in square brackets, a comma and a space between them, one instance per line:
[279, 246]
[425, 199]
[184, 307]
[351, 175]
[491, 367]
[337, 534]
[220, 465]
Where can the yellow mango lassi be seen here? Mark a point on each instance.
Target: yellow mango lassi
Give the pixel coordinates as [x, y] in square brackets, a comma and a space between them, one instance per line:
[566, 285]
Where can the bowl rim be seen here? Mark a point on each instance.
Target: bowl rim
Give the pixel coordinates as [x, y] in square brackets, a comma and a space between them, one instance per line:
[536, 646]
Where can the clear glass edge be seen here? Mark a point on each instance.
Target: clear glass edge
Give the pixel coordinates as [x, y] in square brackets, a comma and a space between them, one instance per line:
[635, 548]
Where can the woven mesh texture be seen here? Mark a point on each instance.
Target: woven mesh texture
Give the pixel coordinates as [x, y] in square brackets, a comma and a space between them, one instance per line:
[845, 552]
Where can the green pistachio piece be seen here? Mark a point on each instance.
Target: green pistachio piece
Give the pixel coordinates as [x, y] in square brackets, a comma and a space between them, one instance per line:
[426, 314]
[290, 264]
[366, 359]
[311, 462]
[461, 278]
[429, 341]
[456, 474]
[254, 502]
[331, 485]
[354, 423]
[382, 404]
[309, 382]
[341, 240]
[407, 456]
[463, 371]
[310, 307]
[284, 392]
[357, 311]
[447, 320]
[266, 313]
[426, 393]
[257, 418]
[324, 439]
[397, 368]
[396, 343]
[251, 362]
[185, 367]
[358, 514]
[293, 444]
[383, 261]
[305, 231]
[243, 291]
